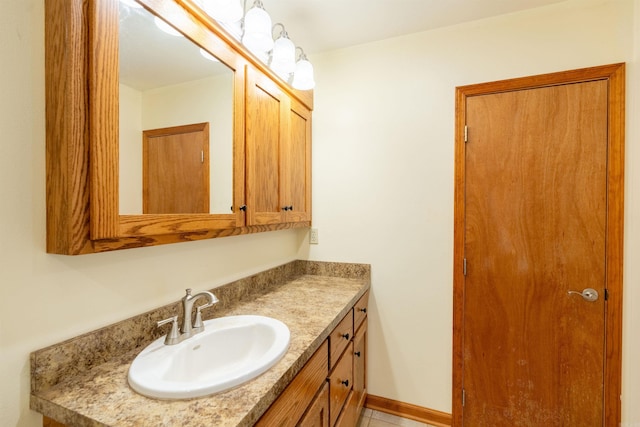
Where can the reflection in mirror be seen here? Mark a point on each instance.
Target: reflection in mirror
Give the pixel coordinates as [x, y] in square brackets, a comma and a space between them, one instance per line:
[176, 121]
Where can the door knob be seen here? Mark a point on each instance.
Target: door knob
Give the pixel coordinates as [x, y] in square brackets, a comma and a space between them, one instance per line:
[588, 294]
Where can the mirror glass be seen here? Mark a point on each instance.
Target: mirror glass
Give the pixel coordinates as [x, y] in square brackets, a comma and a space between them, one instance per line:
[176, 121]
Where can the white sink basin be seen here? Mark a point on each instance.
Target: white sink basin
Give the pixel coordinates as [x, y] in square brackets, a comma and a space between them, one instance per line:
[231, 350]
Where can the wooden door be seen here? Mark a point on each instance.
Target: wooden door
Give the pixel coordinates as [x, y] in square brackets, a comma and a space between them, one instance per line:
[176, 170]
[536, 221]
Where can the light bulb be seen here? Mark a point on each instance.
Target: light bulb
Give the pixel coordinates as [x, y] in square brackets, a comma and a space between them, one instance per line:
[303, 76]
[257, 30]
[284, 56]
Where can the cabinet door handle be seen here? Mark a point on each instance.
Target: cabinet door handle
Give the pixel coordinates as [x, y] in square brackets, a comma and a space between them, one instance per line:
[345, 383]
[243, 208]
[346, 336]
[364, 310]
[357, 353]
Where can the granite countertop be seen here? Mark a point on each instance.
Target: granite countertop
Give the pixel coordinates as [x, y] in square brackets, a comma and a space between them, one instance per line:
[83, 381]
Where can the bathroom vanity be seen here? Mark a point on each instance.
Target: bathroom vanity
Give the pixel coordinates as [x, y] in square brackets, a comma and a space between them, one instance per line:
[331, 388]
[320, 381]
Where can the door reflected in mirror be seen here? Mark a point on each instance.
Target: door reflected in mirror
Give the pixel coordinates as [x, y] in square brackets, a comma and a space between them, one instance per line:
[168, 84]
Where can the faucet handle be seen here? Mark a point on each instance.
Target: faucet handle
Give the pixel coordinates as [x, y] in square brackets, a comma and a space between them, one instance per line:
[173, 337]
[198, 326]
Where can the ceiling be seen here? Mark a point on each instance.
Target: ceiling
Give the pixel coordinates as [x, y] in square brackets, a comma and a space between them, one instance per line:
[322, 25]
[150, 58]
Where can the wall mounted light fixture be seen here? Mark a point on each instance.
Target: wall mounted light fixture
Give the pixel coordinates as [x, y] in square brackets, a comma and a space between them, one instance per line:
[303, 75]
[256, 33]
[257, 30]
[283, 55]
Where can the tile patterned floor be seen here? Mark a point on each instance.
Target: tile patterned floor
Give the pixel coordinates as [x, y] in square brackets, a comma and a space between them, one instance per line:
[372, 418]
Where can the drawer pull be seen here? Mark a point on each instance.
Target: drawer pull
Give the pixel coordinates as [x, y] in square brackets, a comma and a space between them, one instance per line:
[357, 353]
[345, 383]
[346, 336]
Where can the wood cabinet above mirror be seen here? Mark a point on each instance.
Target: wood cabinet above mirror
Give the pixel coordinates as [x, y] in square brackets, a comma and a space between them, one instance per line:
[83, 135]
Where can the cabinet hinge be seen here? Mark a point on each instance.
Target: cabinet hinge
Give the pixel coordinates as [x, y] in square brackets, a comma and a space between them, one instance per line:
[463, 397]
[466, 133]
[201, 156]
[464, 266]
[606, 294]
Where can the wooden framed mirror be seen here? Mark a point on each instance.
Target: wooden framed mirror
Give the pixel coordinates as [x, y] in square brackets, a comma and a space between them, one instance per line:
[107, 220]
[83, 129]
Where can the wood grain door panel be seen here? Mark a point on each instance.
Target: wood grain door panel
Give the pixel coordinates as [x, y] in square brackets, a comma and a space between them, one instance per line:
[265, 154]
[340, 384]
[297, 165]
[176, 170]
[318, 413]
[535, 228]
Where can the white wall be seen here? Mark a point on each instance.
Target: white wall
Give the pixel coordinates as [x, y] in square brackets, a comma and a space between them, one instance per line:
[205, 100]
[383, 194]
[383, 162]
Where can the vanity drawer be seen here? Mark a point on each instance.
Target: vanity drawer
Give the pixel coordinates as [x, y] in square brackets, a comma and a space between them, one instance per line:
[340, 383]
[339, 338]
[360, 310]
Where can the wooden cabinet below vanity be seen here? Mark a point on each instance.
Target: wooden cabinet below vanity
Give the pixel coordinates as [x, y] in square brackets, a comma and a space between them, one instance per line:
[335, 395]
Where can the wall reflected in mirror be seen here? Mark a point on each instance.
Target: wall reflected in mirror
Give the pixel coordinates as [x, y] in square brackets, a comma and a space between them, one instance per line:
[176, 121]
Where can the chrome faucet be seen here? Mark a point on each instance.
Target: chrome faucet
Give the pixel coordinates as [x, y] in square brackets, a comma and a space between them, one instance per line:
[188, 329]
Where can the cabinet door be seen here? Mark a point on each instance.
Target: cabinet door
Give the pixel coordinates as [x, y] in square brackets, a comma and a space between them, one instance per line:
[300, 393]
[318, 413]
[296, 165]
[360, 366]
[349, 415]
[278, 154]
[266, 127]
